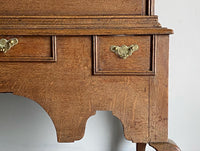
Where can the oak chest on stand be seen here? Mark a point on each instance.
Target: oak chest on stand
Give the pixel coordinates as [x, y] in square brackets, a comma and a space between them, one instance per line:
[77, 57]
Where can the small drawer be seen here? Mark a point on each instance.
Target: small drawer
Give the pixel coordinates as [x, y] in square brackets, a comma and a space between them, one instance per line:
[27, 48]
[108, 62]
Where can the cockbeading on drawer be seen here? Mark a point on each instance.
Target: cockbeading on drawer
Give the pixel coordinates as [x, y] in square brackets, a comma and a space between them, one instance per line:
[28, 48]
[124, 55]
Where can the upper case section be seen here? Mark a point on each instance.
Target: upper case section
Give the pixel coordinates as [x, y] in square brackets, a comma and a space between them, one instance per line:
[76, 7]
[79, 17]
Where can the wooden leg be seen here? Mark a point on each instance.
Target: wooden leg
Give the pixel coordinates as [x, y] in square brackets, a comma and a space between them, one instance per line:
[165, 146]
[140, 146]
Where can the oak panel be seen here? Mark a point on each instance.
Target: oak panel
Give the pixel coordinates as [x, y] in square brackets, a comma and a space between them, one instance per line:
[72, 7]
[31, 48]
[159, 93]
[67, 88]
[70, 94]
[141, 62]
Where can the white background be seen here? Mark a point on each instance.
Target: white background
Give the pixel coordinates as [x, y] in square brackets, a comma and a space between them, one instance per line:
[24, 125]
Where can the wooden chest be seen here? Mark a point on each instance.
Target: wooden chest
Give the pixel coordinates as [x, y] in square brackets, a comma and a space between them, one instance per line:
[77, 57]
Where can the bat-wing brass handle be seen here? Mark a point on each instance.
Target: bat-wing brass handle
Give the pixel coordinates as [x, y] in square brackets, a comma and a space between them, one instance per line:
[124, 51]
[6, 45]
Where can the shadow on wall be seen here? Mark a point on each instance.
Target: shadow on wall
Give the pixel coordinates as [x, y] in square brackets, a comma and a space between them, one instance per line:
[25, 126]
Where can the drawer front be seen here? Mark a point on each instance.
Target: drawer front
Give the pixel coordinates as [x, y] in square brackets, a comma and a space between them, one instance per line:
[123, 62]
[27, 48]
[73, 7]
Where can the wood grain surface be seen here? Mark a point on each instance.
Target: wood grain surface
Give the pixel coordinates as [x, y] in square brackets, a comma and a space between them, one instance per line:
[64, 43]
[67, 90]
[140, 146]
[77, 22]
[70, 94]
[31, 48]
[165, 146]
[71, 7]
[159, 146]
[141, 62]
[158, 118]
[81, 25]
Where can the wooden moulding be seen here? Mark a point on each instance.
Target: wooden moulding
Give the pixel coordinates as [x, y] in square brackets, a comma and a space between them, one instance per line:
[141, 63]
[150, 7]
[31, 48]
[80, 25]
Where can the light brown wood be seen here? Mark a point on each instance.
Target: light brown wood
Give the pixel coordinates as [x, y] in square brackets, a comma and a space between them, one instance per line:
[140, 146]
[159, 146]
[165, 146]
[150, 8]
[158, 110]
[64, 44]
[82, 32]
[77, 22]
[80, 25]
[71, 7]
[31, 48]
[69, 92]
[108, 63]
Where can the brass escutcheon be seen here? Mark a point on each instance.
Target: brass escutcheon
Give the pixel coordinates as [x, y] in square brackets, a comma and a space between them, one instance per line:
[124, 51]
[6, 45]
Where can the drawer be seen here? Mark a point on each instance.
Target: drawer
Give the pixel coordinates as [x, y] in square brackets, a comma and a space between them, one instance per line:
[28, 48]
[108, 61]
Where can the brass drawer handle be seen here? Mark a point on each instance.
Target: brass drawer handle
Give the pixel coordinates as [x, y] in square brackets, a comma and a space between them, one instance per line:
[124, 51]
[6, 45]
